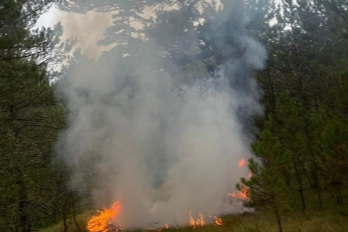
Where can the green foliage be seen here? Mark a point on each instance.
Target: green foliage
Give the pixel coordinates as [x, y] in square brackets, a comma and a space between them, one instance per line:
[301, 152]
[33, 193]
[265, 186]
[306, 101]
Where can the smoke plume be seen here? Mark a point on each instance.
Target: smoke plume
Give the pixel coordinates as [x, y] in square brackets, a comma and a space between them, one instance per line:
[159, 143]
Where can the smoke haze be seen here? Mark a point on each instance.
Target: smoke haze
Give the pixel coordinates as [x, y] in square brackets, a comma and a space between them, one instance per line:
[163, 150]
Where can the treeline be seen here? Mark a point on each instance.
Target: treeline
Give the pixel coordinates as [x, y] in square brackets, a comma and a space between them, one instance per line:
[302, 148]
[33, 191]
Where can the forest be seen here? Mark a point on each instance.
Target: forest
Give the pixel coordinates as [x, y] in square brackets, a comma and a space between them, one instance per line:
[293, 105]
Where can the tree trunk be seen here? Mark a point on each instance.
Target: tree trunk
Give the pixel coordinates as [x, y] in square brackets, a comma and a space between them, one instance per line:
[278, 217]
[74, 214]
[24, 223]
[300, 183]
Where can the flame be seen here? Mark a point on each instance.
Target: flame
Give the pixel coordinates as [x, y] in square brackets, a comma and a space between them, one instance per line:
[192, 221]
[99, 223]
[241, 162]
[200, 221]
[217, 221]
[242, 194]
[195, 223]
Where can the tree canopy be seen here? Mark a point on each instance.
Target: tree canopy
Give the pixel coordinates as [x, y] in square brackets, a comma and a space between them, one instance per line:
[300, 144]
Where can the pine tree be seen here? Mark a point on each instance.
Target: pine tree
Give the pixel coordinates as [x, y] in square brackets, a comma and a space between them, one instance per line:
[334, 142]
[266, 186]
[30, 119]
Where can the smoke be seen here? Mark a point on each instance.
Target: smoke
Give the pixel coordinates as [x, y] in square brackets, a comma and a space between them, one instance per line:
[87, 29]
[161, 147]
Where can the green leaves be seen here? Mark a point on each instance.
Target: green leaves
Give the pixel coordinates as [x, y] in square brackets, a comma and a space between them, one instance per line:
[302, 150]
[30, 119]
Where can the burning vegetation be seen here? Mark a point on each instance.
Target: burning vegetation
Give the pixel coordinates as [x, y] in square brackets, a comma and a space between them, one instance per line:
[200, 222]
[102, 221]
[149, 115]
[105, 219]
[195, 223]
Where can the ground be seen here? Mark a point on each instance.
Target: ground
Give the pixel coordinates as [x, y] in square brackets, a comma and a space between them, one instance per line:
[324, 220]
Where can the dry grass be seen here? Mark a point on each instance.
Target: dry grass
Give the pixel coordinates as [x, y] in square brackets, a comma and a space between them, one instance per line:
[261, 221]
[264, 221]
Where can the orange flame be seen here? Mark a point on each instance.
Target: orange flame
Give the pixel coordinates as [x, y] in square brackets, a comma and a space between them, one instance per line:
[98, 223]
[195, 223]
[200, 221]
[241, 162]
[192, 221]
[217, 221]
[242, 194]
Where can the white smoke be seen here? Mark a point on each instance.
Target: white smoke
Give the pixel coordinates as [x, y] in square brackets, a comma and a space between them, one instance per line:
[133, 139]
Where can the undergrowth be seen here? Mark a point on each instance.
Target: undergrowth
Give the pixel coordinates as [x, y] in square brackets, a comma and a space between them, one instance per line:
[263, 220]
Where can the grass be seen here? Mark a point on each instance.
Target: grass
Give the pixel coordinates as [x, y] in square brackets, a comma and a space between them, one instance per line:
[81, 220]
[328, 220]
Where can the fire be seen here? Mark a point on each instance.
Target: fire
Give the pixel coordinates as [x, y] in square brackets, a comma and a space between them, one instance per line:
[195, 223]
[200, 221]
[242, 194]
[217, 221]
[99, 223]
[241, 162]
